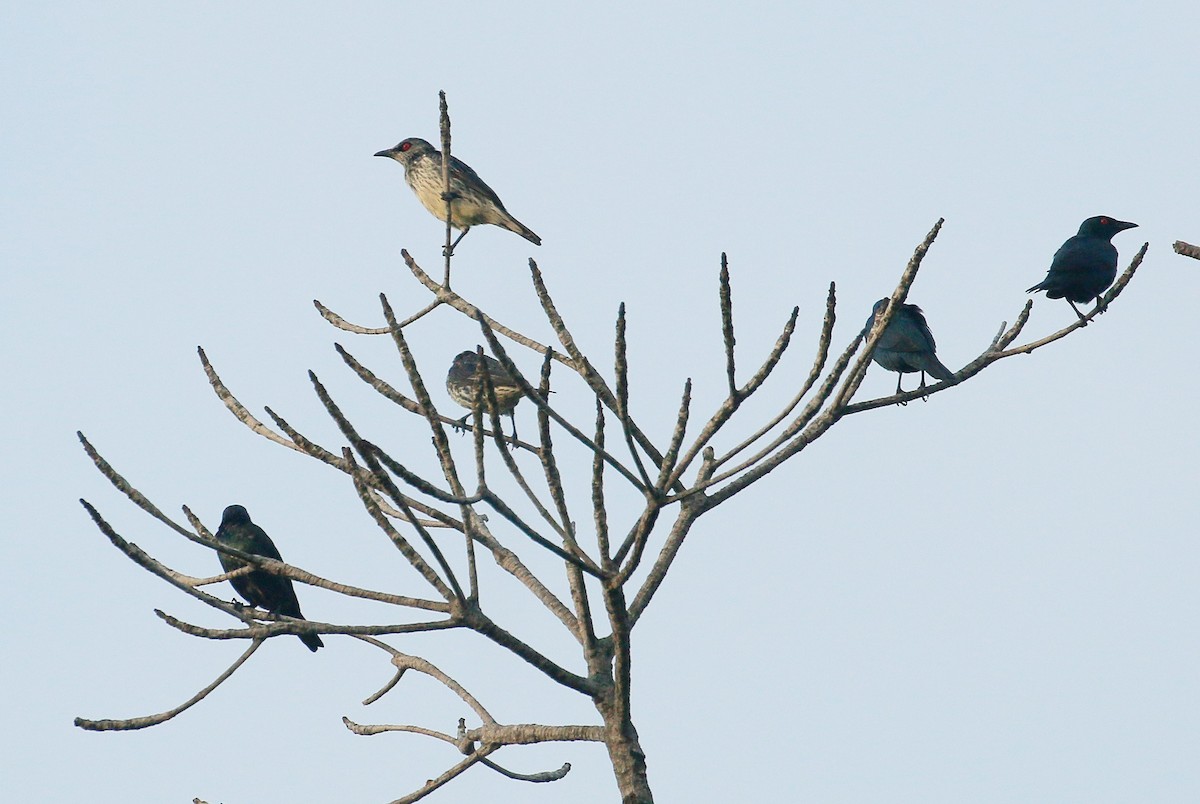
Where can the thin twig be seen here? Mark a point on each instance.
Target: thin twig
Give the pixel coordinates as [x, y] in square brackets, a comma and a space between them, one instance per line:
[262, 630]
[351, 433]
[544, 776]
[414, 558]
[599, 509]
[726, 296]
[581, 364]
[542, 404]
[621, 368]
[444, 125]
[341, 323]
[823, 344]
[162, 717]
[677, 436]
[440, 519]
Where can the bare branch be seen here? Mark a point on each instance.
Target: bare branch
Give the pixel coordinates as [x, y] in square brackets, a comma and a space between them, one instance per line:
[1112, 294]
[237, 408]
[126, 488]
[285, 625]
[691, 509]
[581, 364]
[781, 345]
[681, 422]
[1187, 249]
[364, 730]
[484, 625]
[152, 565]
[275, 567]
[822, 356]
[546, 453]
[599, 509]
[384, 690]
[162, 717]
[383, 388]
[998, 350]
[416, 481]
[414, 558]
[502, 446]
[341, 323]
[404, 661]
[621, 368]
[576, 559]
[907, 277]
[544, 776]
[736, 395]
[533, 733]
[637, 539]
[449, 297]
[433, 784]
[444, 125]
[224, 576]
[542, 405]
[368, 455]
[727, 327]
[767, 458]
[440, 519]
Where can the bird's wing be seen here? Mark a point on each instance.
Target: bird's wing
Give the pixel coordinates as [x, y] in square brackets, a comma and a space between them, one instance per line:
[263, 545]
[500, 376]
[1082, 254]
[464, 174]
[921, 326]
[907, 333]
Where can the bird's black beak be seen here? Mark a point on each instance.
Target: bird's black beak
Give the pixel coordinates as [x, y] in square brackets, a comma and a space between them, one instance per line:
[390, 153]
[1122, 225]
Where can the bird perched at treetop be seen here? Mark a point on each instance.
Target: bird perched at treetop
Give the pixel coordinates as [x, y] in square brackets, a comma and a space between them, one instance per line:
[1085, 265]
[466, 375]
[273, 593]
[907, 344]
[473, 202]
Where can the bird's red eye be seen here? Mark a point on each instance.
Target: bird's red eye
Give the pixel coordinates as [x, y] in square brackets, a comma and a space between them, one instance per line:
[404, 146]
[1104, 221]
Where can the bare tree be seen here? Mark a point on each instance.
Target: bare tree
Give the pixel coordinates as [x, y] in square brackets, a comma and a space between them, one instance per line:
[611, 568]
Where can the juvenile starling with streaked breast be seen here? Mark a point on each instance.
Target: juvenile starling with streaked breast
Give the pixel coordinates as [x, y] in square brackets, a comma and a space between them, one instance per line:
[465, 379]
[907, 345]
[472, 201]
[1085, 265]
[274, 593]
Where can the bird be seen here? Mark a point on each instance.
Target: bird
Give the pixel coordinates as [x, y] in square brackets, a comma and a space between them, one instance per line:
[472, 201]
[465, 377]
[273, 593]
[906, 345]
[1085, 265]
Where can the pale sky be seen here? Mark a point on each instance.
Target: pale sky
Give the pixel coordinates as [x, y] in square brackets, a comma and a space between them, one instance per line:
[988, 597]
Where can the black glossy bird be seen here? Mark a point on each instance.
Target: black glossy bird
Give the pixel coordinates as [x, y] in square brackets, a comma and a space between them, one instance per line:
[273, 593]
[1085, 265]
[473, 203]
[465, 376]
[907, 344]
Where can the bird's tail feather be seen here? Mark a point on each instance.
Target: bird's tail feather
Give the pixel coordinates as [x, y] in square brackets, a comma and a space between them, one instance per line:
[312, 641]
[514, 225]
[937, 368]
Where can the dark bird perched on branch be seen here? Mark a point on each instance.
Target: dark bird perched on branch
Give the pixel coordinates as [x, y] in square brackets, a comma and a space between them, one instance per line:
[907, 344]
[472, 201]
[1085, 265]
[273, 593]
[466, 375]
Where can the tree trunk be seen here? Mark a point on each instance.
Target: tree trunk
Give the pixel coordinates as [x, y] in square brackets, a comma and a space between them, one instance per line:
[628, 759]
